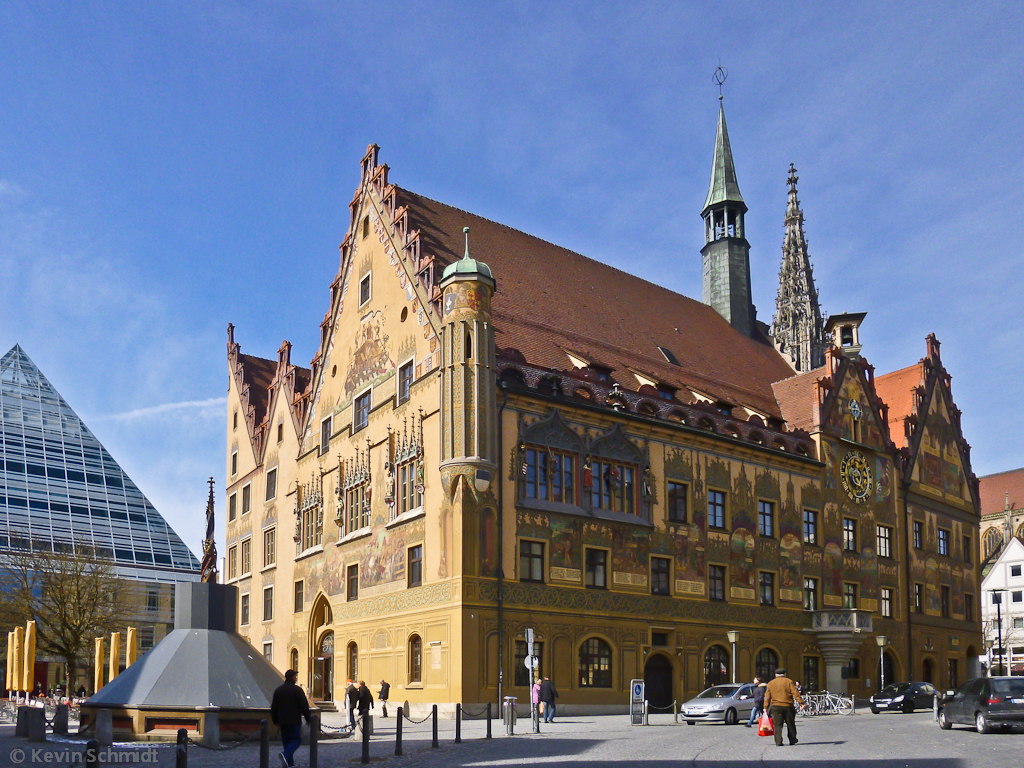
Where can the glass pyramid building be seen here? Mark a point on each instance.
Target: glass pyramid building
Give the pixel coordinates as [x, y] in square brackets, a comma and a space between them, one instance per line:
[61, 491]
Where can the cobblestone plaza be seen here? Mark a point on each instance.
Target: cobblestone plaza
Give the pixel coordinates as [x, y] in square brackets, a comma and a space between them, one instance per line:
[883, 741]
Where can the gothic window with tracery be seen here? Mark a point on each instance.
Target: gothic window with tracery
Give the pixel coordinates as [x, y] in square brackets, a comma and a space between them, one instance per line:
[354, 493]
[405, 473]
[550, 475]
[309, 527]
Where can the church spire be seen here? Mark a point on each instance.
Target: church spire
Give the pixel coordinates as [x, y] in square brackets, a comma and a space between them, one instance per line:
[797, 325]
[726, 252]
[723, 187]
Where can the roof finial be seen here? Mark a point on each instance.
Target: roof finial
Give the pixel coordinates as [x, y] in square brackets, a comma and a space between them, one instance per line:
[466, 231]
[721, 73]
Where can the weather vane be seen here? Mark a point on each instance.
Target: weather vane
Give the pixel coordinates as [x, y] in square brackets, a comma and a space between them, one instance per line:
[721, 73]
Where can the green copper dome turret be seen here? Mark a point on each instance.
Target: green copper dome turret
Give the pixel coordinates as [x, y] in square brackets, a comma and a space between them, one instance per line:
[724, 187]
[467, 265]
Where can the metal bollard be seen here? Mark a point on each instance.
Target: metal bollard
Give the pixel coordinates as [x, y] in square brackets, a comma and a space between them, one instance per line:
[488, 720]
[398, 732]
[433, 714]
[458, 723]
[92, 754]
[935, 707]
[646, 720]
[314, 740]
[366, 739]
[181, 750]
[264, 744]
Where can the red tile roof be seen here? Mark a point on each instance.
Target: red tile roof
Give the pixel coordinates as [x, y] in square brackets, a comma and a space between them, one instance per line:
[550, 299]
[258, 373]
[896, 390]
[995, 487]
[798, 399]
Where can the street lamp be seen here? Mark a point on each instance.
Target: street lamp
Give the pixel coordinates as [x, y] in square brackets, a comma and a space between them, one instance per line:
[733, 636]
[882, 640]
[999, 623]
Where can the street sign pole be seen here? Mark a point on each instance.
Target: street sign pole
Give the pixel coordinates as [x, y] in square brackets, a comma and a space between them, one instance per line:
[531, 664]
[636, 702]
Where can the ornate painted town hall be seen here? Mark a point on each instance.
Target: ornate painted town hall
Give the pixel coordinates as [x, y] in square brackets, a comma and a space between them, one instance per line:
[499, 434]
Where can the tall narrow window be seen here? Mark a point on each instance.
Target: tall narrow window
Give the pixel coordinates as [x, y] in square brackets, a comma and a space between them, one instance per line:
[404, 382]
[678, 496]
[810, 526]
[968, 607]
[415, 569]
[298, 598]
[409, 496]
[849, 534]
[886, 602]
[469, 345]
[661, 575]
[766, 582]
[361, 416]
[415, 659]
[810, 678]
[597, 568]
[280, 433]
[271, 485]
[919, 598]
[884, 541]
[716, 582]
[246, 556]
[268, 603]
[232, 562]
[325, 436]
[765, 518]
[352, 652]
[352, 582]
[918, 534]
[364, 290]
[269, 547]
[968, 558]
[246, 499]
[716, 509]
[810, 594]
[531, 561]
[232, 507]
[243, 611]
[943, 542]
[234, 463]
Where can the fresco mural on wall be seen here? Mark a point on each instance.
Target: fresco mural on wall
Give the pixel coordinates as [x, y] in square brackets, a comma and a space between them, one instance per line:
[830, 464]
[630, 554]
[932, 585]
[382, 560]
[323, 574]
[742, 542]
[883, 479]
[370, 359]
[566, 533]
[869, 578]
[832, 559]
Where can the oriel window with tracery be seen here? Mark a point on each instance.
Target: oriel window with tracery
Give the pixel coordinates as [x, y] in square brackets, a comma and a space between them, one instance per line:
[405, 483]
[354, 492]
[309, 514]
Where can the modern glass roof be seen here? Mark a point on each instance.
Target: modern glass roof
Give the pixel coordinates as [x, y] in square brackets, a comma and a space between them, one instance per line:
[60, 491]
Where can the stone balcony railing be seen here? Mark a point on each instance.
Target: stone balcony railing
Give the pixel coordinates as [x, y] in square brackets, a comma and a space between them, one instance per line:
[841, 620]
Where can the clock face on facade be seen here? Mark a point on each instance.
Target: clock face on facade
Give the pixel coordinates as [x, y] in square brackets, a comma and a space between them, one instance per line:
[856, 476]
[855, 409]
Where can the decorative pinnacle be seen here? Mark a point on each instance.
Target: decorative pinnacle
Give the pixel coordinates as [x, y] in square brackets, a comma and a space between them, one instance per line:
[466, 231]
[720, 76]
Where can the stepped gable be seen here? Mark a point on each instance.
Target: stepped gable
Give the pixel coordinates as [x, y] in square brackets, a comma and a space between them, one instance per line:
[897, 390]
[994, 490]
[88, 502]
[551, 300]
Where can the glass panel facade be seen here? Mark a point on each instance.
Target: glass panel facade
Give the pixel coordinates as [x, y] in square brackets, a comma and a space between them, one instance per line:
[61, 491]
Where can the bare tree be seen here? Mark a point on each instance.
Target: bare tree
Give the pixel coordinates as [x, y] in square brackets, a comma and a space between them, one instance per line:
[73, 598]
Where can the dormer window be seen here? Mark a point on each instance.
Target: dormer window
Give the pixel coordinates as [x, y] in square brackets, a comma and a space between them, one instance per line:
[666, 392]
[603, 373]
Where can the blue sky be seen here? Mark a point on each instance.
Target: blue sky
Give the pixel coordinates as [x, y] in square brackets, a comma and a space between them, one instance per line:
[167, 168]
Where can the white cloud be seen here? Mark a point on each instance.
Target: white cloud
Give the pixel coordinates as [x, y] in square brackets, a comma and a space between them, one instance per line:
[211, 408]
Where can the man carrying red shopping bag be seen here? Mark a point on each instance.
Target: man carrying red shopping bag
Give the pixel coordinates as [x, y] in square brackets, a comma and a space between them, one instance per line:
[779, 700]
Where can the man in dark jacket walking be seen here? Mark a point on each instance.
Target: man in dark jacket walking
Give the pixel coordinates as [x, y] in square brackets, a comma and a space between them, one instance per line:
[351, 699]
[365, 699]
[287, 709]
[385, 690]
[548, 694]
[759, 688]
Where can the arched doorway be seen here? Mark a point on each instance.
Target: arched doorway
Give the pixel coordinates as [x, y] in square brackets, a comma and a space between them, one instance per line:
[658, 681]
[927, 672]
[765, 664]
[886, 670]
[716, 666]
[323, 669]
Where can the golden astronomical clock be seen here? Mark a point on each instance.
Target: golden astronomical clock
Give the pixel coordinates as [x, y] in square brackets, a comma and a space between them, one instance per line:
[856, 476]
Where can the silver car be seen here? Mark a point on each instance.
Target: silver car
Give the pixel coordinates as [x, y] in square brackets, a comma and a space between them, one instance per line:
[720, 704]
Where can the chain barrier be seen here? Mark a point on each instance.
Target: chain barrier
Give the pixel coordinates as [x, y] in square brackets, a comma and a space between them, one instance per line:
[334, 728]
[671, 707]
[417, 722]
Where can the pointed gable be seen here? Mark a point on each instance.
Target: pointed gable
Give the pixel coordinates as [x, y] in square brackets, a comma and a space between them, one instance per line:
[935, 453]
[88, 501]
